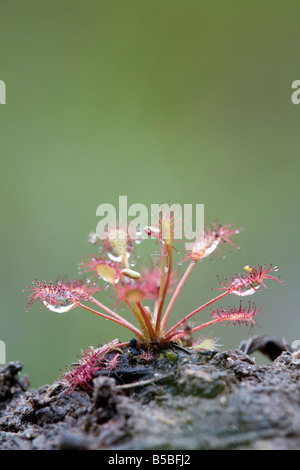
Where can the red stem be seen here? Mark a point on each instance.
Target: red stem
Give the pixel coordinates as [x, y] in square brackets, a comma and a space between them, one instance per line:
[166, 287]
[147, 321]
[121, 322]
[175, 295]
[111, 312]
[183, 320]
[181, 334]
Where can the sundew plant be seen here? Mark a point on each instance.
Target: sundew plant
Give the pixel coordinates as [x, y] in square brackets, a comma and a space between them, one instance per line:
[149, 293]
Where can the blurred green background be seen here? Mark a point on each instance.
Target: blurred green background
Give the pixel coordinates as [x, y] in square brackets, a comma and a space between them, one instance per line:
[160, 100]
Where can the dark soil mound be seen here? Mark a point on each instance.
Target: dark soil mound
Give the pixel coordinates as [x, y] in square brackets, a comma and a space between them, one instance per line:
[180, 400]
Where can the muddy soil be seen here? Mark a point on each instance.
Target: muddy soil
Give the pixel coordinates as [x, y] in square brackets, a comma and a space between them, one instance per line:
[181, 400]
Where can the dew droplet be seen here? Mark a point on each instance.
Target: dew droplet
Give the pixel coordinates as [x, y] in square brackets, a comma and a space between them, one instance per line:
[138, 234]
[64, 307]
[116, 259]
[243, 291]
